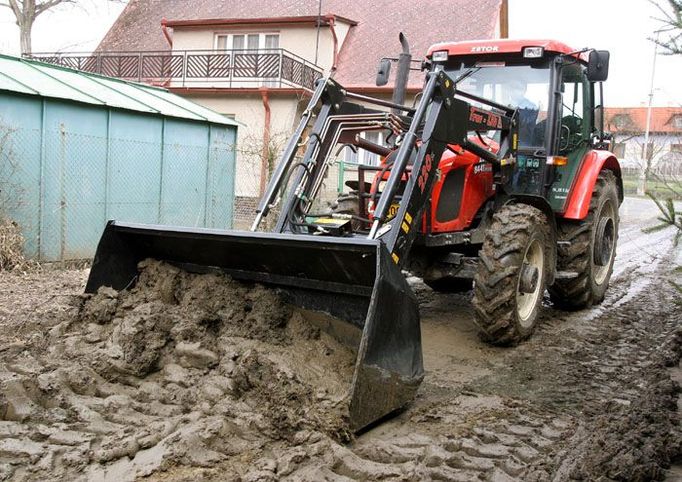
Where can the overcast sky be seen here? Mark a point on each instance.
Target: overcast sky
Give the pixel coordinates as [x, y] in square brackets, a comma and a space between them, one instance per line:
[621, 26]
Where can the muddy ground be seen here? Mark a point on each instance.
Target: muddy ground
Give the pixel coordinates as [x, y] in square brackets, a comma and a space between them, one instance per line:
[191, 378]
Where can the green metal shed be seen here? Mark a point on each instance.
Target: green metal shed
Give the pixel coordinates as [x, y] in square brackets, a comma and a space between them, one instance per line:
[78, 149]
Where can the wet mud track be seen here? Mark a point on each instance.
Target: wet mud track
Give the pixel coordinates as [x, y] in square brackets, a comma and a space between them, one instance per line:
[590, 396]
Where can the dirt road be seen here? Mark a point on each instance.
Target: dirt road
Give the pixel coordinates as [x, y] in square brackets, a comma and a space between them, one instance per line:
[590, 396]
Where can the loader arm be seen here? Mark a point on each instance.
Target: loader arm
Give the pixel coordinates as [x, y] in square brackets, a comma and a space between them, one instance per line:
[442, 118]
[447, 120]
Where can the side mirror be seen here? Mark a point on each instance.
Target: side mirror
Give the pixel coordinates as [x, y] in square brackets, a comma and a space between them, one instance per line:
[383, 72]
[598, 66]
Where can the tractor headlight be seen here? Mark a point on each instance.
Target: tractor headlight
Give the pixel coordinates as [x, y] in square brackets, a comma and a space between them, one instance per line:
[533, 52]
[440, 56]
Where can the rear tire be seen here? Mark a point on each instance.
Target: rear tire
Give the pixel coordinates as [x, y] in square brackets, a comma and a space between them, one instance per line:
[348, 204]
[582, 255]
[511, 274]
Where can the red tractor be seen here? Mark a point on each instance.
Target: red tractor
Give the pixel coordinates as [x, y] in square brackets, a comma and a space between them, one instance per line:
[551, 221]
[498, 178]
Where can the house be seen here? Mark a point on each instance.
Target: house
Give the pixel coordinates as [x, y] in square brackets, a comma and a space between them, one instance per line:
[257, 61]
[628, 126]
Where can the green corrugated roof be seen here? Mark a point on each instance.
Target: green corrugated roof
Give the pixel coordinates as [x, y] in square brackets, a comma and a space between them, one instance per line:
[46, 80]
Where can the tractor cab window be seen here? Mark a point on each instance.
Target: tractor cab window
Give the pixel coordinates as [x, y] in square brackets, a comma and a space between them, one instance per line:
[521, 86]
[575, 112]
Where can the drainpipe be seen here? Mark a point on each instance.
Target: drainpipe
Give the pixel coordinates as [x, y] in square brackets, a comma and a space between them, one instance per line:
[264, 164]
[332, 26]
[164, 29]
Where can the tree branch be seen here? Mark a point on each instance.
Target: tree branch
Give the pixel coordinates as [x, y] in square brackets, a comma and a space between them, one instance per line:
[16, 8]
[671, 24]
[48, 4]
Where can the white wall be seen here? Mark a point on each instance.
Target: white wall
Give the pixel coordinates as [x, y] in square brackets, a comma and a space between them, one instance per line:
[249, 110]
[662, 154]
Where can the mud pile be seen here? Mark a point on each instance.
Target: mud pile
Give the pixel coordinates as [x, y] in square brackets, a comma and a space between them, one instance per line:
[183, 370]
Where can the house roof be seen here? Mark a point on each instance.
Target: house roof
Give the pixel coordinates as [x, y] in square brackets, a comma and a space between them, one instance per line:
[227, 22]
[632, 120]
[46, 80]
[375, 35]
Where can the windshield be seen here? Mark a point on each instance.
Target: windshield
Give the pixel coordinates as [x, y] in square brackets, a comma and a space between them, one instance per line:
[520, 86]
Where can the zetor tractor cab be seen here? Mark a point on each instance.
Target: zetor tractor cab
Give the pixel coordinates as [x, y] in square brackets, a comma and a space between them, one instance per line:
[497, 178]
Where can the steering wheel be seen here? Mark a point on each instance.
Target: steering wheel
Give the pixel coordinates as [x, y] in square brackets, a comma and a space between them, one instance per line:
[571, 126]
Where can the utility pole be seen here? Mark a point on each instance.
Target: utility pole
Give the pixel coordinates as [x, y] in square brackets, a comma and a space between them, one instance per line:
[646, 154]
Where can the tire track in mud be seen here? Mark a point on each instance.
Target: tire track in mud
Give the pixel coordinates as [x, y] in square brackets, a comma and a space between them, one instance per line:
[585, 401]
[183, 370]
[588, 396]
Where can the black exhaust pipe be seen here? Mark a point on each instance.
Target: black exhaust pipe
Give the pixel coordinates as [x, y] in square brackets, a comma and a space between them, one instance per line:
[403, 74]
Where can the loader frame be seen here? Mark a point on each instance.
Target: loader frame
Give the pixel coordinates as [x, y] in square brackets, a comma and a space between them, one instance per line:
[441, 119]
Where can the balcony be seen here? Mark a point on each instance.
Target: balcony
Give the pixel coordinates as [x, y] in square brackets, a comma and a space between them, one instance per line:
[275, 68]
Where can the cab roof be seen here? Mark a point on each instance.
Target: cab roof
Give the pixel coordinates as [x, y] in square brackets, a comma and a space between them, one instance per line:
[498, 46]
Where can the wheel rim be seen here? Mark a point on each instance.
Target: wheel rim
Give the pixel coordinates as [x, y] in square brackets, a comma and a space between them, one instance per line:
[525, 302]
[606, 246]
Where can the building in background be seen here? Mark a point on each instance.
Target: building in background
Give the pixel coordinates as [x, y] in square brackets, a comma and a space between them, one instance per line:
[257, 61]
[77, 150]
[628, 126]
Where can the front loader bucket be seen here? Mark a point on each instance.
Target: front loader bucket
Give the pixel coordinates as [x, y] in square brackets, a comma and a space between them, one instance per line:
[350, 281]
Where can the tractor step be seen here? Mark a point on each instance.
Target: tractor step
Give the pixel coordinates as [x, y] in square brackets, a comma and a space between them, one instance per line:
[566, 275]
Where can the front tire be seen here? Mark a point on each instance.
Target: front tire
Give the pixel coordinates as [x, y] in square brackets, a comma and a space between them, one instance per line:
[511, 274]
[588, 249]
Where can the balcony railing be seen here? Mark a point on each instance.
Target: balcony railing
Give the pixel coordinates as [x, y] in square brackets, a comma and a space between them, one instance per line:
[196, 68]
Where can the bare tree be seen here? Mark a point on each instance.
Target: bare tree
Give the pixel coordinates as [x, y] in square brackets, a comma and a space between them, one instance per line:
[671, 25]
[25, 13]
[672, 30]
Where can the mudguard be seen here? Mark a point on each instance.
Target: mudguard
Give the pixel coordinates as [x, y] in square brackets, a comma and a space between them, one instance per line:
[581, 193]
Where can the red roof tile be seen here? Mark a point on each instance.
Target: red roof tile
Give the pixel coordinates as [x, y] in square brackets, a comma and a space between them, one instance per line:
[632, 120]
[375, 35]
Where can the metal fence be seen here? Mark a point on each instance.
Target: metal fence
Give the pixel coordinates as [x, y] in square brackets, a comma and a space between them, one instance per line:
[61, 187]
[188, 68]
[663, 181]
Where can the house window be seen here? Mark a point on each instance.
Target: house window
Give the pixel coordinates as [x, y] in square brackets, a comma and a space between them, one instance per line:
[363, 156]
[244, 65]
[676, 148]
[677, 122]
[247, 41]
